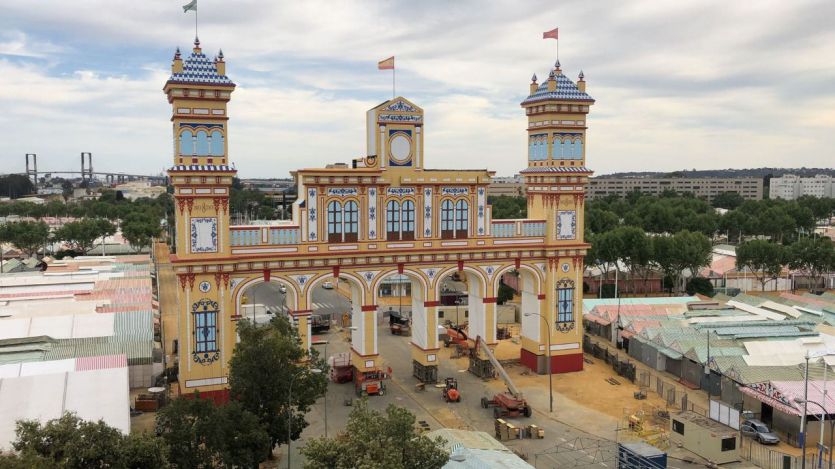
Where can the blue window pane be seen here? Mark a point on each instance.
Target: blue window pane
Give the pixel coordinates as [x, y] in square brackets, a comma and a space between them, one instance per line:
[408, 216]
[578, 149]
[446, 215]
[351, 217]
[186, 143]
[217, 144]
[334, 217]
[461, 215]
[202, 143]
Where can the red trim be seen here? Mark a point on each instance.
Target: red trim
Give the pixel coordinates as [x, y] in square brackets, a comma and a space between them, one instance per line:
[430, 304]
[491, 299]
[400, 268]
[266, 275]
[364, 356]
[518, 262]
[368, 308]
[528, 359]
[541, 296]
[460, 266]
[372, 253]
[567, 363]
[336, 271]
[218, 397]
[301, 311]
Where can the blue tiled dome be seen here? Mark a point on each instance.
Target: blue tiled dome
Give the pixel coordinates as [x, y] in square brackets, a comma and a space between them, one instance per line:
[197, 68]
[566, 90]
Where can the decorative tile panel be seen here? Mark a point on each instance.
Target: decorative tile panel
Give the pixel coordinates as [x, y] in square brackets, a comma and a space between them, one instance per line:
[566, 224]
[311, 215]
[372, 213]
[427, 212]
[203, 235]
[480, 201]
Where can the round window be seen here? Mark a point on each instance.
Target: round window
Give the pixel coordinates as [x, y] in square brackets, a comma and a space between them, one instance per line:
[400, 148]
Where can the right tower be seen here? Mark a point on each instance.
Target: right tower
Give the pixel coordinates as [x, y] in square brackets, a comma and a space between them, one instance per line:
[556, 178]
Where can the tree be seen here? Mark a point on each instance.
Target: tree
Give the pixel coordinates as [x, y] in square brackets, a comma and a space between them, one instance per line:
[601, 221]
[504, 294]
[139, 229]
[375, 440]
[200, 434]
[699, 285]
[28, 236]
[82, 235]
[16, 185]
[764, 259]
[664, 256]
[66, 189]
[636, 251]
[507, 207]
[813, 257]
[692, 252]
[609, 249]
[69, 442]
[275, 347]
[728, 200]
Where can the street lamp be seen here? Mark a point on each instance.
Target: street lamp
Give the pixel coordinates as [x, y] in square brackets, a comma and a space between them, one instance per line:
[457, 304]
[290, 409]
[325, 343]
[805, 400]
[800, 400]
[550, 381]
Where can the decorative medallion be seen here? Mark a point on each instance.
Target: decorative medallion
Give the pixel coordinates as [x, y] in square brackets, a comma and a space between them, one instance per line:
[566, 267]
[205, 286]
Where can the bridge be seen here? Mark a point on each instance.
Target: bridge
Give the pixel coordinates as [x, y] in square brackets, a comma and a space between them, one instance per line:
[87, 173]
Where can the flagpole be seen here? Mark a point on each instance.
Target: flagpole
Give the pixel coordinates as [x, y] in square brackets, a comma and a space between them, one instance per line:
[195, 23]
[393, 92]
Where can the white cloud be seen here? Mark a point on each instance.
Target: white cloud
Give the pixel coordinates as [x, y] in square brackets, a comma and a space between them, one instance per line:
[678, 84]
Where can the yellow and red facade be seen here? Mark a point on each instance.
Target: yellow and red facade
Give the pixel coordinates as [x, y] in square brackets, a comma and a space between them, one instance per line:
[383, 214]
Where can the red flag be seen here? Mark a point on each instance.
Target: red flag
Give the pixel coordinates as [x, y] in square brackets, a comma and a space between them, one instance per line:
[552, 34]
[387, 64]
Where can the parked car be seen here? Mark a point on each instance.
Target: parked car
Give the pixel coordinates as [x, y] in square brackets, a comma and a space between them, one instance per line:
[327, 285]
[759, 431]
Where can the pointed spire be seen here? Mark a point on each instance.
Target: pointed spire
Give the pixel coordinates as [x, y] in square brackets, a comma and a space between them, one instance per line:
[581, 76]
[551, 75]
[220, 54]
[177, 53]
[196, 41]
[533, 78]
[557, 65]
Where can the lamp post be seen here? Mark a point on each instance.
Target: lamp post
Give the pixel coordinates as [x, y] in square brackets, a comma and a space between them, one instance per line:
[326, 390]
[457, 317]
[290, 410]
[805, 400]
[550, 381]
[831, 424]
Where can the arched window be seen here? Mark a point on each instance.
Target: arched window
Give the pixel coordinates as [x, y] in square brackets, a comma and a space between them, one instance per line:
[351, 217]
[186, 143]
[217, 144]
[578, 149]
[202, 143]
[408, 219]
[393, 220]
[532, 149]
[568, 149]
[461, 218]
[447, 219]
[565, 303]
[556, 152]
[334, 222]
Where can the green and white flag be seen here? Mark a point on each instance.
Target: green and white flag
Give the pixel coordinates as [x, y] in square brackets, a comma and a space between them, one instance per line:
[190, 6]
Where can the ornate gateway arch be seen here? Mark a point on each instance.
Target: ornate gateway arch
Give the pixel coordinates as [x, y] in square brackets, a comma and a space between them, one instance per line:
[384, 213]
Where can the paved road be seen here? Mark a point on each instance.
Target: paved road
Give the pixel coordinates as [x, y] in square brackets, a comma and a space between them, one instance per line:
[566, 445]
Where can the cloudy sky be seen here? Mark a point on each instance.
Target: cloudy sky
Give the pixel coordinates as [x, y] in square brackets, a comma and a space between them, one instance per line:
[679, 84]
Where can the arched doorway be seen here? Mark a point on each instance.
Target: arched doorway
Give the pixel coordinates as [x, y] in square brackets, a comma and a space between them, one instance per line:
[259, 301]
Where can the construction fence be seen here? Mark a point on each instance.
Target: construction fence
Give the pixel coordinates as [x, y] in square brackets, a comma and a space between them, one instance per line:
[676, 395]
[769, 458]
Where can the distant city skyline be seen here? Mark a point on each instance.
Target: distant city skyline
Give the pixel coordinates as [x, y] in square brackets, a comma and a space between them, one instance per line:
[678, 85]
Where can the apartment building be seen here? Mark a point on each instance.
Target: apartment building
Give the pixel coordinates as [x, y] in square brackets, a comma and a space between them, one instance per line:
[750, 188]
[513, 186]
[791, 186]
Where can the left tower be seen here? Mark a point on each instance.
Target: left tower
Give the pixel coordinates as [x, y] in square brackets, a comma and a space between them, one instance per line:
[199, 90]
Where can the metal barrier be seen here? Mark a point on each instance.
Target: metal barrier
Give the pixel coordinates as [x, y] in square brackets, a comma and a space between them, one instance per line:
[769, 458]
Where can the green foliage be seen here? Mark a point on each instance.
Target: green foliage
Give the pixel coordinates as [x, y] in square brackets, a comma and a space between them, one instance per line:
[506, 207]
[27, 236]
[69, 442]
[81, 235]
[275, 347]
[728, 200]
[16, 185]
[373, 440]
[699, 285]
[200, 434]
[763, 258]
[813, 257]
[139, 229]
[505, 294]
